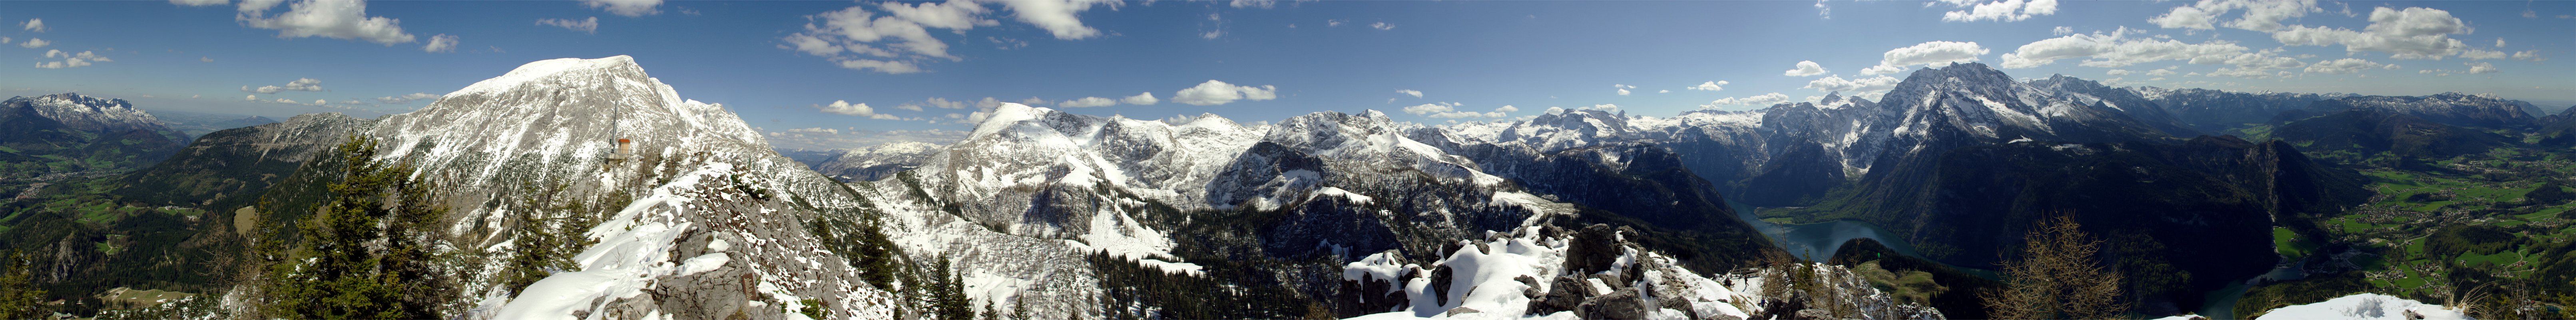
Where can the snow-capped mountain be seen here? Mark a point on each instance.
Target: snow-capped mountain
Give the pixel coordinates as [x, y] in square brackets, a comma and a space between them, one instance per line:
[713, 220]
[227, 169]
[2212, 110]
[2478, 110]
[85, 113]
[877, 162]
[1776, 155]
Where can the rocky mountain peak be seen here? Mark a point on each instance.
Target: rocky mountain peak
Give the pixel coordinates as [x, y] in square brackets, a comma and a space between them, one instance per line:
[86, 113]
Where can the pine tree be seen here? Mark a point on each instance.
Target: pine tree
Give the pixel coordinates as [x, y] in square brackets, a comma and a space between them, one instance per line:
[2057, 278]
[948, 293]
[368, 253]
[19, 297]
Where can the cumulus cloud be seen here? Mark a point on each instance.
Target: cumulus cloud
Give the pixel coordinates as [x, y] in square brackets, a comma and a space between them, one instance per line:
[1805, 68]
[2482, 67]
[2117, 72]
[408, 98]
[1087, 102]
[1382, 26]
[1410, 92]
[630, 8]
[1717, 85]
[2342, 66]
[2477, 54]
[2532, 55]
[2006, 10]
[817, 130]
[861, 109]
[1215, 92]
[2160, 72]
[1264, 4]
[1448, 110]
[346, 20]
[250, 98]
[34, 43]
[200, 3]
[2412, 33]
[34, 25]
[1059, 17]
[440, 43]
[1838, 84]
[70, 60]
[1757, 100]
[300, 84]
[2061, 30]
[894, 37]
[2259, 15]
[2116, 49]
[852, 138]
[1932, 53]
[590, 26]
[1142, 99]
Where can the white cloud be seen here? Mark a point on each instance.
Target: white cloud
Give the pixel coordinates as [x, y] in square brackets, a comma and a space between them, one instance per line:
[2240, 73]
[1623, 92]
[440, 43]
[328, 19]
[200, 3]
[2477, 54]
[1087, 102]
[2499, 42]
[408, 98]
[1059, 17]
[2260, 15]
[1838, 84]
[1805, 68]
[34, 43]
[2482, 67]
[34, 25]
[1215, 92]
[250, 98]
[630, 8]
[4, 40]
[1932, 53]
[1720, 85]
[1757, 100]
[1448, 110]
[300, 84]
[1382, 26]
[2160, 72]
[70, 60]
[2342, 66]
[2532, 55]
[2413, 33]
[2116, 50]
[2005, 10]
[1663, 91]
[861, 109]
[1264, 4]
[890, 67]
[205, 59]
[1142, 99]
[895, 37]
[2117, 72]
[1333, 23]
[590, 26]
[1410, 92]
[815, 130]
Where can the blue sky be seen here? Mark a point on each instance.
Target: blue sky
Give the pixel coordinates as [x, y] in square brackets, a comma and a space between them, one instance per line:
[783, 64]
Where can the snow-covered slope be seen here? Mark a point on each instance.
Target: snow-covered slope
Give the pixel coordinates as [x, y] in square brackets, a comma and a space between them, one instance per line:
[2479, 110]
[2366, 306]
[713, 216]
[877, 162]
[86, 113]
[1772, 156]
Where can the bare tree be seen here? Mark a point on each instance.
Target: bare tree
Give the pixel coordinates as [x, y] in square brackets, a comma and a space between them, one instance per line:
[2056, 277]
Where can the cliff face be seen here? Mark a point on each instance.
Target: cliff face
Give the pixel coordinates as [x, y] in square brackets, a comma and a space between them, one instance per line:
[225, 170]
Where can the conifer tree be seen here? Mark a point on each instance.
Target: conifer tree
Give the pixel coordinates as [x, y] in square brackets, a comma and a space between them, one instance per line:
[19, 297]
[368, 252]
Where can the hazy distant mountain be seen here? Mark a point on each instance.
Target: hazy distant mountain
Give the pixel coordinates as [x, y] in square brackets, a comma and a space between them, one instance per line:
[196, 123]
[53, 137]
